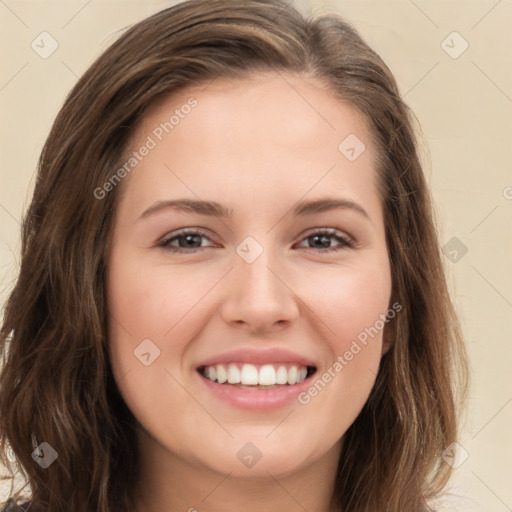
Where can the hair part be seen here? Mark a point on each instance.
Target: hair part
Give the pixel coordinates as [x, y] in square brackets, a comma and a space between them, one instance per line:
[57, 384]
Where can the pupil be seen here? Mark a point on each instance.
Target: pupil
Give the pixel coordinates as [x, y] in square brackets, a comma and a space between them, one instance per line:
[325, 239]
[190, 239]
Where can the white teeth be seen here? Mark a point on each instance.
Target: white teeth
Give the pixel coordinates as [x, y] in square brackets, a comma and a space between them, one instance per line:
[251, 375]
[222, 376]
[233, 374]
[292, 375]
[212, 373]
[281, 375]
[267, 375]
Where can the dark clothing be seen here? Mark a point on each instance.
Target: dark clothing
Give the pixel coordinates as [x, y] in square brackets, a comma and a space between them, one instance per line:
[11, 506]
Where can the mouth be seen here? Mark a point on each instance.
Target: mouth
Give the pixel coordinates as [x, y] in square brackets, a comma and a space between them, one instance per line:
[256, 379]
[253, 376]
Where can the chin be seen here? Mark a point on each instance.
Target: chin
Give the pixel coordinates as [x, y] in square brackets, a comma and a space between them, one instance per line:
[278, 465]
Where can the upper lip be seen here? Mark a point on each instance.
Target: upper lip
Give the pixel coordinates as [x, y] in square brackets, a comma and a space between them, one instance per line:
[258, 356]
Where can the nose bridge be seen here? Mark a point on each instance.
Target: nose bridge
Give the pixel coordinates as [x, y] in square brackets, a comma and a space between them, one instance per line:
[258, 278]
[255, 274]
[258, 294]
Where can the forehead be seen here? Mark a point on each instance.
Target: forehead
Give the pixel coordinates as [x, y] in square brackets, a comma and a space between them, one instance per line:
[301, 103]
[267, 131]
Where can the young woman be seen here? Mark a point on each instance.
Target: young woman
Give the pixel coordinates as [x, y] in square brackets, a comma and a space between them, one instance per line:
[231, 295]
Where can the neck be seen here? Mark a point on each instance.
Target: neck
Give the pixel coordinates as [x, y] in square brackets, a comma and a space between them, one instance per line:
[169, 482]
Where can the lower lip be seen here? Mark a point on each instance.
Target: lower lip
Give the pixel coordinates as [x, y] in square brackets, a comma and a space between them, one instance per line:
[256, 399]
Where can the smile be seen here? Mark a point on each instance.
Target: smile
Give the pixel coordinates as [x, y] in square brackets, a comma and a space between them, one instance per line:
[228, 383]
[257, 376]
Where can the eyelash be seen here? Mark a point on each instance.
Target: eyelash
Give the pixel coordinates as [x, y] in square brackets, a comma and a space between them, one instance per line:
[345, 241]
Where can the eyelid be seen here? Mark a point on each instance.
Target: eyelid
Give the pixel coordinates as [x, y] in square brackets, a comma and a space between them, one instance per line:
[347, 240]
[329, 231]
[183, 232]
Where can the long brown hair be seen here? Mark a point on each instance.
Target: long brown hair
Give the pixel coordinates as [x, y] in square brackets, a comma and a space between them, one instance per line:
[56, 383]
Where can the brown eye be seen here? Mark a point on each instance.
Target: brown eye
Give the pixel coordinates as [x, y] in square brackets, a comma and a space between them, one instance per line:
[321, 240]
[188, 241]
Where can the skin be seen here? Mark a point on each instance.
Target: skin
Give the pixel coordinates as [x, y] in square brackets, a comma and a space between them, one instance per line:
[257, 145]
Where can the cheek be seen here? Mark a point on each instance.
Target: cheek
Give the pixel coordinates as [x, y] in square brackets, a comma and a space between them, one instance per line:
[348, 300]
[351, 311]
[152, 309]
[148, 300]
[147, 310]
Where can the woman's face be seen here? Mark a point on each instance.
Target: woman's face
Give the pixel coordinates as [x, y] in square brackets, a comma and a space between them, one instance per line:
[250, 292]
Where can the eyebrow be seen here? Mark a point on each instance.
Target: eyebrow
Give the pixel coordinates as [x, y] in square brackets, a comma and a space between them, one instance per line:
[214, 209]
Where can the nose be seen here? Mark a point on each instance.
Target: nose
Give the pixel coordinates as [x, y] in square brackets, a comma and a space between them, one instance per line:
[259, 297]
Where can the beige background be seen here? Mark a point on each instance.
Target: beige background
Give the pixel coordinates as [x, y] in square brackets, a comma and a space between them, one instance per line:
[464, 105]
